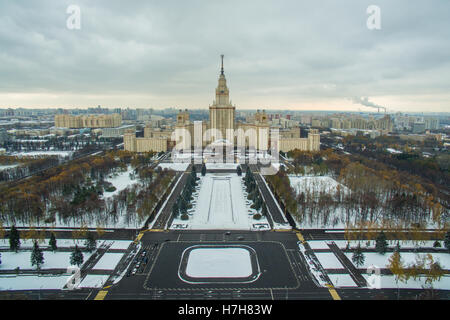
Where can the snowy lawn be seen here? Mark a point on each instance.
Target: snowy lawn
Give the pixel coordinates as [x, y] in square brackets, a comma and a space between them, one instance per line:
[28, 243]
[176, 166]
[32, 282]
[342, 280]
[381, 261]
[328, 260]
[219, 263]
[389, 282]
[93, 281]
[318, 244]
[108, 261]
[5, 167]
[43, 153]
[52, 260]
[120, 244]
[120, 181]
[391, 244]
[315, 184]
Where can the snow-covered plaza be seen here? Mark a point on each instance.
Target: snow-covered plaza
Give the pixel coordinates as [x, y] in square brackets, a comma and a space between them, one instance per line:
[220, 203]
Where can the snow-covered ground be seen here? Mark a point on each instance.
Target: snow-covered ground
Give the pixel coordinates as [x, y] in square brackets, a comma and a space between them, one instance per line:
[315, 184]
[9, 166]
[314, 266]
[120, 244]
[108, 261]
[210, 166]
[120, 181]
[382, 261]
[219, 203]
[388, 281]
[52, 260]
[320, 244]
[93, 281]
[62, 154]
[32, 282]
[219, 263]
[28, 243]
[342, 280]
[176, 166]
[328, 260]
[391, 150]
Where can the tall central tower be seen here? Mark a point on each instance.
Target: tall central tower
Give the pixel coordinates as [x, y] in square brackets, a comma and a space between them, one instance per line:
[222, 113]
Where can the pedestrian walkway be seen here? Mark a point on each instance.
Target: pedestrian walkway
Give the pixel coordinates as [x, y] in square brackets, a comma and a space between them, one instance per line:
[354, 272]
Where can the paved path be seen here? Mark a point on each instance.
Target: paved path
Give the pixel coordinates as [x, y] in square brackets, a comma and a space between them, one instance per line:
[274, 210]
[166, 212]
[354, 272]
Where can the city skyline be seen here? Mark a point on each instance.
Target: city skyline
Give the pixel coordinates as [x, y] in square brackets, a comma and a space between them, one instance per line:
[297, 56]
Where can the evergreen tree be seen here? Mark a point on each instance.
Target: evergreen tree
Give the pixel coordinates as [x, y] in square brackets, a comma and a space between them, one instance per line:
[76, 258]
[264, 209]
[203, 170]
[14, 239]
[258, 202]
[37, 256]
[175, 209]
[358, 256]
[192, 182]
[183, 205]
[239, 171]
[52, 242]
[90, 243]
[381, 243]
[447, 240]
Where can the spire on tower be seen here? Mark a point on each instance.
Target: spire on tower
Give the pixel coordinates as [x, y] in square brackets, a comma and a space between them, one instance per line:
[221, 71]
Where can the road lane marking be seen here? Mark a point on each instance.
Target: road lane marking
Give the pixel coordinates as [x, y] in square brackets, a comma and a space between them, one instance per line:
[333, 292]
[139, 237]
[300, 237]
[101, 295]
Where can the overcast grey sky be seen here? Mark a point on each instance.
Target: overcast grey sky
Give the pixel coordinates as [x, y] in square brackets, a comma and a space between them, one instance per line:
[302, 55]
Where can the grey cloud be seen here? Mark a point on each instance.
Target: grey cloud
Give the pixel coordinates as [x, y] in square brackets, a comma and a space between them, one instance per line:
[274, 49]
